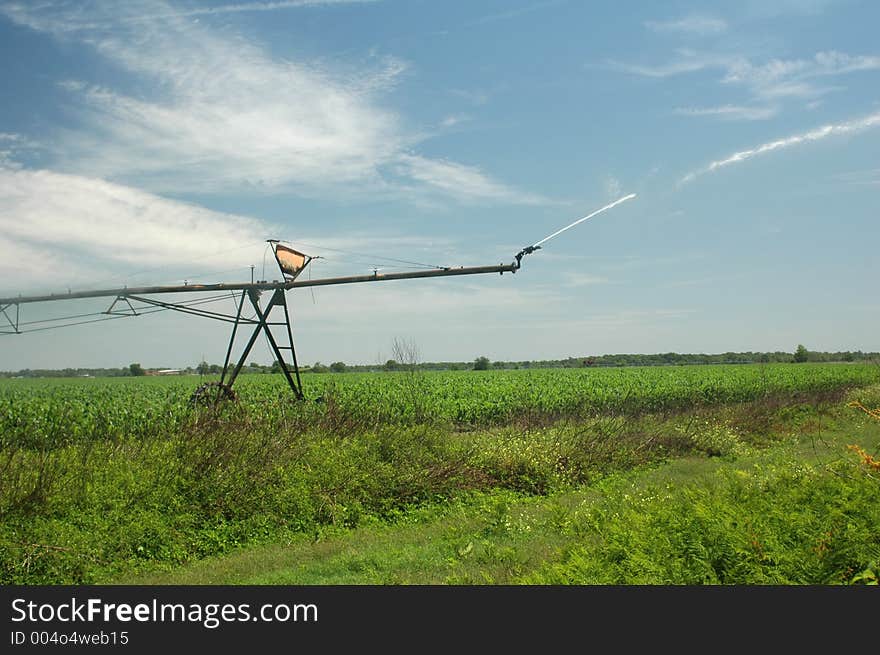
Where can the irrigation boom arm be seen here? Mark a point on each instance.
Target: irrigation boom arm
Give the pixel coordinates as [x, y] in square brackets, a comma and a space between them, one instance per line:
[291, 263]
[293, 283]
[261, 286]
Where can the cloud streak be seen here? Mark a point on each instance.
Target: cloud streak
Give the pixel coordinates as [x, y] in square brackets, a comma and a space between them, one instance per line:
[243, 7]
[213, 112]
[693, 25]
[731, 112]
[468, 182]
[793, 77]
[850, 127]
[768, 83]
[681, 66]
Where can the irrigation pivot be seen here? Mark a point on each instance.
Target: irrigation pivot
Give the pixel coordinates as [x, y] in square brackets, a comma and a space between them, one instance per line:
[138, 301]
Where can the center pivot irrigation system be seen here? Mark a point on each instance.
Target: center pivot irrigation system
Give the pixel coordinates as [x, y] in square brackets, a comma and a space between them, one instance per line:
[291, 262]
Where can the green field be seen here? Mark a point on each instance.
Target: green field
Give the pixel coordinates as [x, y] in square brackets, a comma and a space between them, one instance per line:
[110, 479]
[52, 412]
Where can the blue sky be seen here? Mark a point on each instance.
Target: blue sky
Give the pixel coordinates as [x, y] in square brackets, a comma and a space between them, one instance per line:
[155, 142]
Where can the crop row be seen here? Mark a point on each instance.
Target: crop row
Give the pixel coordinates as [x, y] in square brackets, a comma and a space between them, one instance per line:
[51, 413]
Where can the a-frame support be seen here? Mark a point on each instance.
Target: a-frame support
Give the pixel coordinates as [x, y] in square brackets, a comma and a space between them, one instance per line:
[264, 325]
[13, 323]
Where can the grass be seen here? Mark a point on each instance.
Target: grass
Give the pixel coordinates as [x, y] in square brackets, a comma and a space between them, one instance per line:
[786, 503]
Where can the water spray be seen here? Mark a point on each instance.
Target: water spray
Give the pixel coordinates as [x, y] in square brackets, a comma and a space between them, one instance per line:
[537, 246]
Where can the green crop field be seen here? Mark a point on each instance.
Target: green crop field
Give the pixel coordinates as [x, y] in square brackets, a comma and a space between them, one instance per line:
[104, 479]
[48, 412]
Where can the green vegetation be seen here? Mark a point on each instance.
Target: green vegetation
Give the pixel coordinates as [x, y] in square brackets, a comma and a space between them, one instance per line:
[801, 510]
[103, 479]
[406, 357]
[481, 363]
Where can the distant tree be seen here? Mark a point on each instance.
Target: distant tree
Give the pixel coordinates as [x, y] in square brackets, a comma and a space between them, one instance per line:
[318, 367]
[390, 365]
[406, 354]
[203, 368]
[136, 370]
[337, 367]
[481, 363]
[801, 354]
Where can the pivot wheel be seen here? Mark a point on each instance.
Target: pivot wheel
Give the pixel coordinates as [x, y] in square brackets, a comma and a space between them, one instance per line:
[211, 394]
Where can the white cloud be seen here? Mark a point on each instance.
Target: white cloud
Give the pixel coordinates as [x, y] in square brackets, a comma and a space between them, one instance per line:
[849, 127]
[695, 25]
[466, 182]
[767, 82]
[214, 112]
[732, 112]
[243, 7]
[12, 147]
[454, 119]
[793, 77]
[681, 66]
[516, 13]
[62, 230]
[87, 15]
[87, 227]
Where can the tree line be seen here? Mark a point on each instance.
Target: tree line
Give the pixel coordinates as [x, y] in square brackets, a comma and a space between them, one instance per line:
[481, 363]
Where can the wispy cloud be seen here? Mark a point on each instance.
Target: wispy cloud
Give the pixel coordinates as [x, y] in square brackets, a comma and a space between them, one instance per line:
[849, 127]
[731, 112]
[767, 82]
[467, 182]
[83, 220]
[793, 77]
[12, 147]
[688, 63]
[68, 18]
[696, 25]
[242, 7]
[454, 119]
[216, 112]
[517, 12]
[58, 229]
